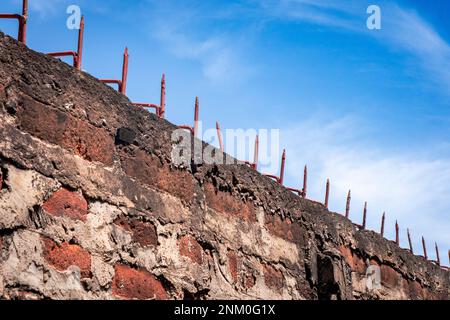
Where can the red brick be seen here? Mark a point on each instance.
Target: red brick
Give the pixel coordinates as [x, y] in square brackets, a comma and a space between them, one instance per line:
[249, 281]
[149, 170]
[389, 277]
[356, 263]
[415, 290]
[285, 229]
[139, 284]
[61, 257]
[225, 203]
[189, 247]
[233, 265]
[67, 203]
[143, 233]
[273, 278]
[54, 126]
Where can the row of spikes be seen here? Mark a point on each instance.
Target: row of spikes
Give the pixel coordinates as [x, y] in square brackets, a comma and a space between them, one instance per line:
[160, 112]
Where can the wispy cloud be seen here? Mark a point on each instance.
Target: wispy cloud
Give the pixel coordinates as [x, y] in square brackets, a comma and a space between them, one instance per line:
[408, 185]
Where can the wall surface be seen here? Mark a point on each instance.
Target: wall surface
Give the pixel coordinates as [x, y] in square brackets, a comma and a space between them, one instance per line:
[91, 207]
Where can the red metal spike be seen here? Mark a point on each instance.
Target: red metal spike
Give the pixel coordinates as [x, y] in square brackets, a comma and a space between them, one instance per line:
[424, 248]
[383, 218]
[364, 215]
[283, 162]
[347, 206]
[410, 242]
[438, 259]
[162, 110]
[256, 153]
[397, 235]
[305, 181]
[123, 87]
[219, 135]
[21, 19]
[196, 114]
[327, 193]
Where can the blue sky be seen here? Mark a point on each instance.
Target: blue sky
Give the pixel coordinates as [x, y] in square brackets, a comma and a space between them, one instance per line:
[369, 109]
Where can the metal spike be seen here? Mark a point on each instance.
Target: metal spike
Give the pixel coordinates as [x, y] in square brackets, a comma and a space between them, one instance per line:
[196, 114]
[162, 106]
[305, 182]
[123, 85]
[79, 58]
[438, 259]
[256, 153]
[364, 216]
[327, 193]
[23, 23]
[219, 135]
[424, 248]
[397, 235]
[347, 206]
[283, 162]
[383, 218]
[410, 242]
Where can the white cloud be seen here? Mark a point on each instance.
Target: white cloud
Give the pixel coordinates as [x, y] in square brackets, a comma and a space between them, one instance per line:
[410, 187]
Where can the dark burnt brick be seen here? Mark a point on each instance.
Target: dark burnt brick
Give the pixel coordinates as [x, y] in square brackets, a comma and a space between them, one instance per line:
[130, 283]
[189, 247]
[125, 136]
[273, 278]
[233, 265]
[149, 170]
[286, 229]
[389, 277]
[224, 202]
[67, 203]
[61, 257]
[356, 263]
[54, 126]
[143, 233]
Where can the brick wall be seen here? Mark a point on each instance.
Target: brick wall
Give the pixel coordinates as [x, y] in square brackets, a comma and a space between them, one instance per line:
[86, 215]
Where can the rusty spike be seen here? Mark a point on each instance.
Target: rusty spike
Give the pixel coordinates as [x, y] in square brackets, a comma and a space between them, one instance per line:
[196, 114]
[424, 248]
[305, 182]
[347, 206]
[383, 218]
[397, 235]
[162, 106]
[438, 259]
[364, 216]
[410, 242]
[123, 85]
[283, 162]
[219, 135]
[327, 193]
[79, 58]
[256, 154]
[23, 23]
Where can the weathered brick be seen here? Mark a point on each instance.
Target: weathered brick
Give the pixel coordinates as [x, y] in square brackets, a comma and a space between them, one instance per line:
[130, 283]
[54, 126]
[143, 233]
[225, 203]
[233, 265]
[249, 281]
[273, 278]
[61, 257]
[1, 180]
[189, 247]
[415, 290]
[149, 170]
[67, 203]
[356, 263]
[389, 277]
[285, 229]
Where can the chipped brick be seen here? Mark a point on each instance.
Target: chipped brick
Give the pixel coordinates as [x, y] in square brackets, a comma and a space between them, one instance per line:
[61, 257]
[67, 203]
[143, 233]
[273, 278]
[130, 283]
[54, 126]
[389, 277]
[233, 265]
[285, 229]
[356, 263]
[225, 203]
[189, 247]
